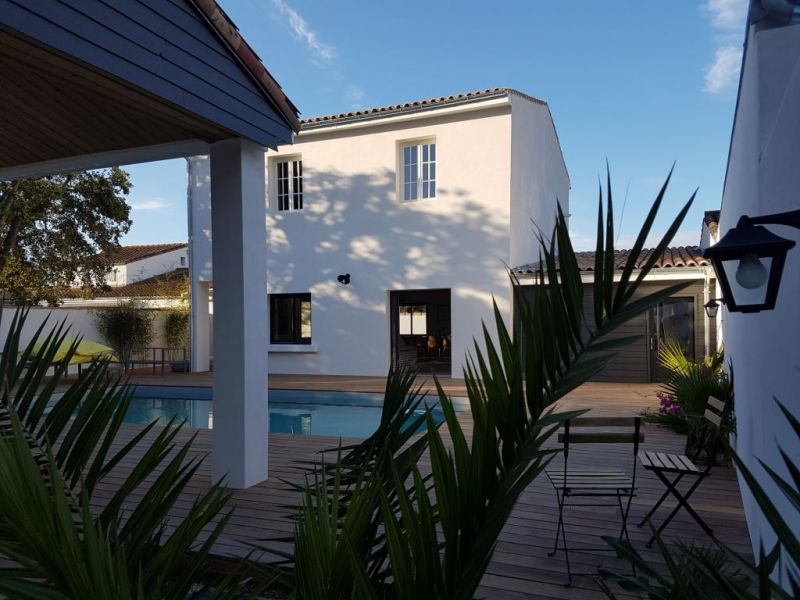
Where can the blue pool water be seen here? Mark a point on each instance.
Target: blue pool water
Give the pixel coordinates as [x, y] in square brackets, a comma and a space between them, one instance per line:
[338, 414]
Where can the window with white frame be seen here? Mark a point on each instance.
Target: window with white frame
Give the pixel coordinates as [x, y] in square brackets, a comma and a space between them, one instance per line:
[418, 161]
[289, 184]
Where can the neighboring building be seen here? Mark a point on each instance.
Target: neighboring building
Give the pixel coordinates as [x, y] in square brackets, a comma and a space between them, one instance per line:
[389, 230]
[130, 264]
[682, 317]
[763, 178]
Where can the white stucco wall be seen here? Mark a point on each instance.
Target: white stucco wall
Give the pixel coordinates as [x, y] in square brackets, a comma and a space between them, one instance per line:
[763, 177]
[352, 222]
[539, 178]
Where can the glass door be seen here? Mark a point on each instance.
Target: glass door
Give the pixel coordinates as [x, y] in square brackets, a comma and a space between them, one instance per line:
[673, 320]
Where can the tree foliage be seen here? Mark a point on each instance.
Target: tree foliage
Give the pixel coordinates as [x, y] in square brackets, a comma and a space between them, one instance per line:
[54, 229]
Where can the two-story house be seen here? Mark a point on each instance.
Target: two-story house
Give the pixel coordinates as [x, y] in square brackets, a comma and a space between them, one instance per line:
[131, 264]
[389, 231]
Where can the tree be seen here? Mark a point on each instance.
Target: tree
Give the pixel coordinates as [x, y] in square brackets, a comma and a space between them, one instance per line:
[53, 231]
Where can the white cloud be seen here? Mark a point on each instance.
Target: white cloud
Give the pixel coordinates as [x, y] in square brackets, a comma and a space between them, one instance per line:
[304, 33]
[723, 73]
[727, 14]
[728, 17]
[354, 95]
[150, 204]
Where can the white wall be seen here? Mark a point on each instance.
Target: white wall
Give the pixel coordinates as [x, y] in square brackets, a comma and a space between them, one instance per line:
[149, 267]
[764, 177]
[352, 222]
[539, 178]
[79, 320]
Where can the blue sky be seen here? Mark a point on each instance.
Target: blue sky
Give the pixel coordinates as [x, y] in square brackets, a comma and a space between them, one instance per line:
[642, 84]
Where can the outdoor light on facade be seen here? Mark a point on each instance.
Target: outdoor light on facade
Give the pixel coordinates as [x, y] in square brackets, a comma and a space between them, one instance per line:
[712, 306]
[344, 279]
[748, 261]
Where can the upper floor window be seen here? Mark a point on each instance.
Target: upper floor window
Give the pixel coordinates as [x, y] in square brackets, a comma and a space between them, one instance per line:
[183, 261]
[419, 170]
[289, 180]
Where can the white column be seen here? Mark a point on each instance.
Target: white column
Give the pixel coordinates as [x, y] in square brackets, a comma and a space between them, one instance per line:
[239, 254]
[201, 327]
[200, 273]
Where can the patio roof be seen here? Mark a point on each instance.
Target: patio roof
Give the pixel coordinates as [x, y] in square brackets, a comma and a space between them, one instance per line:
[88, 80]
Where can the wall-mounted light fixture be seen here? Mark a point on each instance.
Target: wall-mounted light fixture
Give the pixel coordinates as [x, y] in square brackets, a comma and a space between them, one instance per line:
[344, 279]
[712, 306]
[749, 259]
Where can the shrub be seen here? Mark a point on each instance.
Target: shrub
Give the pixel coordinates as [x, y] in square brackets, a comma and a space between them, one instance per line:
[176, 327]
[124, 327]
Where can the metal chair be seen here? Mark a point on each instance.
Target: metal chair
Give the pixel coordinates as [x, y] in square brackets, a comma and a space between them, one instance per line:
[570, 483]
[678, 465]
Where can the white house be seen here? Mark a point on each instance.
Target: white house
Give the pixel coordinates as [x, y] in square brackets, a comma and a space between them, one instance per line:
[389, 229]
[137, 263]
[763, 178]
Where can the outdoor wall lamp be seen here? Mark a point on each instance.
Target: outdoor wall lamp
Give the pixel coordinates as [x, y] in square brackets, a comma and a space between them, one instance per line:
[712, 306]
[748, 261]
[344, 279]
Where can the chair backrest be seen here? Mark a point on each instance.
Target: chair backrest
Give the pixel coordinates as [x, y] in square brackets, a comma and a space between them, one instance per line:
[633, 436]
[716, 411]
[708, 438]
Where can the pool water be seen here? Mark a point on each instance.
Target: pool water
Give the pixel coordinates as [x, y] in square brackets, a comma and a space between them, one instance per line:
[337, 414]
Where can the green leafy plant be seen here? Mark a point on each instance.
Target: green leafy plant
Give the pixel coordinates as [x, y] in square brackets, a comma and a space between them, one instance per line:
[125, 328]
[398, 529]
[702, 572]
[176, 327]
[65, 537]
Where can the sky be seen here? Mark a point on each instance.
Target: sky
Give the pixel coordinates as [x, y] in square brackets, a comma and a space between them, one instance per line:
[641, 85]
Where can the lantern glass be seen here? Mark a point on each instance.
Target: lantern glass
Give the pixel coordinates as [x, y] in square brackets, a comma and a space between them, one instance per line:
[748, 286]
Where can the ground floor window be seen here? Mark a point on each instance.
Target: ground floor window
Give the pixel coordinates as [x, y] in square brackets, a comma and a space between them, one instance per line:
[413, 319]
[290, 318]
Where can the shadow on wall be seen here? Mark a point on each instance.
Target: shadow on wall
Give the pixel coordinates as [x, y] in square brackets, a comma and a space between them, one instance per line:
[355, 224]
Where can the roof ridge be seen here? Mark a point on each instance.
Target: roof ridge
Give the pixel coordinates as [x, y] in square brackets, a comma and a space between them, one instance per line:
[413, 106]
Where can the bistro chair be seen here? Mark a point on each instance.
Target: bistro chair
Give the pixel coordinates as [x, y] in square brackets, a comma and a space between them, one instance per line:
[594, 486]
[672, 468]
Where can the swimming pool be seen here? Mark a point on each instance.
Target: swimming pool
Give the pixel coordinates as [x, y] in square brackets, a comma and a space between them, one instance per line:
[296, 412]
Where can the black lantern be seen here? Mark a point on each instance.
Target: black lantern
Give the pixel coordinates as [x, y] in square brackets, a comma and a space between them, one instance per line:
[344, 279]
[712, 306]
[748, 261]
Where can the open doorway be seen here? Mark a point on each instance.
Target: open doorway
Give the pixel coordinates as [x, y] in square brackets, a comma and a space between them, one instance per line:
[420, 330]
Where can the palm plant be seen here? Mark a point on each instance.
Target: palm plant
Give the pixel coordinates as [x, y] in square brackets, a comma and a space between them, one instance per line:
[698, 572]
[61, 537]
[406, 528]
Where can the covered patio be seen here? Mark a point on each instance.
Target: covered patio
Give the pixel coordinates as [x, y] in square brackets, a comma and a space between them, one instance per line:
[86, 86]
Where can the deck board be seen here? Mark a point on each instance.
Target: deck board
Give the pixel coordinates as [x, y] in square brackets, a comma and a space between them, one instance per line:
[520, 568]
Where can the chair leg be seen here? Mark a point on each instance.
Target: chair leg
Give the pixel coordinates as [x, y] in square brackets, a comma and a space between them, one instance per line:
[683, 501]
[660, 500]
[561, 528]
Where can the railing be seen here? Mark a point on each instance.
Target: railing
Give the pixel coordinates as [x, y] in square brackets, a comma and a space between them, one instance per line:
[157, 357]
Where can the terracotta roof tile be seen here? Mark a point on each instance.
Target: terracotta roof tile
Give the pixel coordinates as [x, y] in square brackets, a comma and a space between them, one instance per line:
[129, 254]
[674, 257]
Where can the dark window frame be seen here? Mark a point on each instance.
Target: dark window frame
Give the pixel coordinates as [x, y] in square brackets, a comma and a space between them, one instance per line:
[295, 326]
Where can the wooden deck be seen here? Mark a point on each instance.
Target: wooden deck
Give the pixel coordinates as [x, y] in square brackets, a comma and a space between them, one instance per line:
[520, 568]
